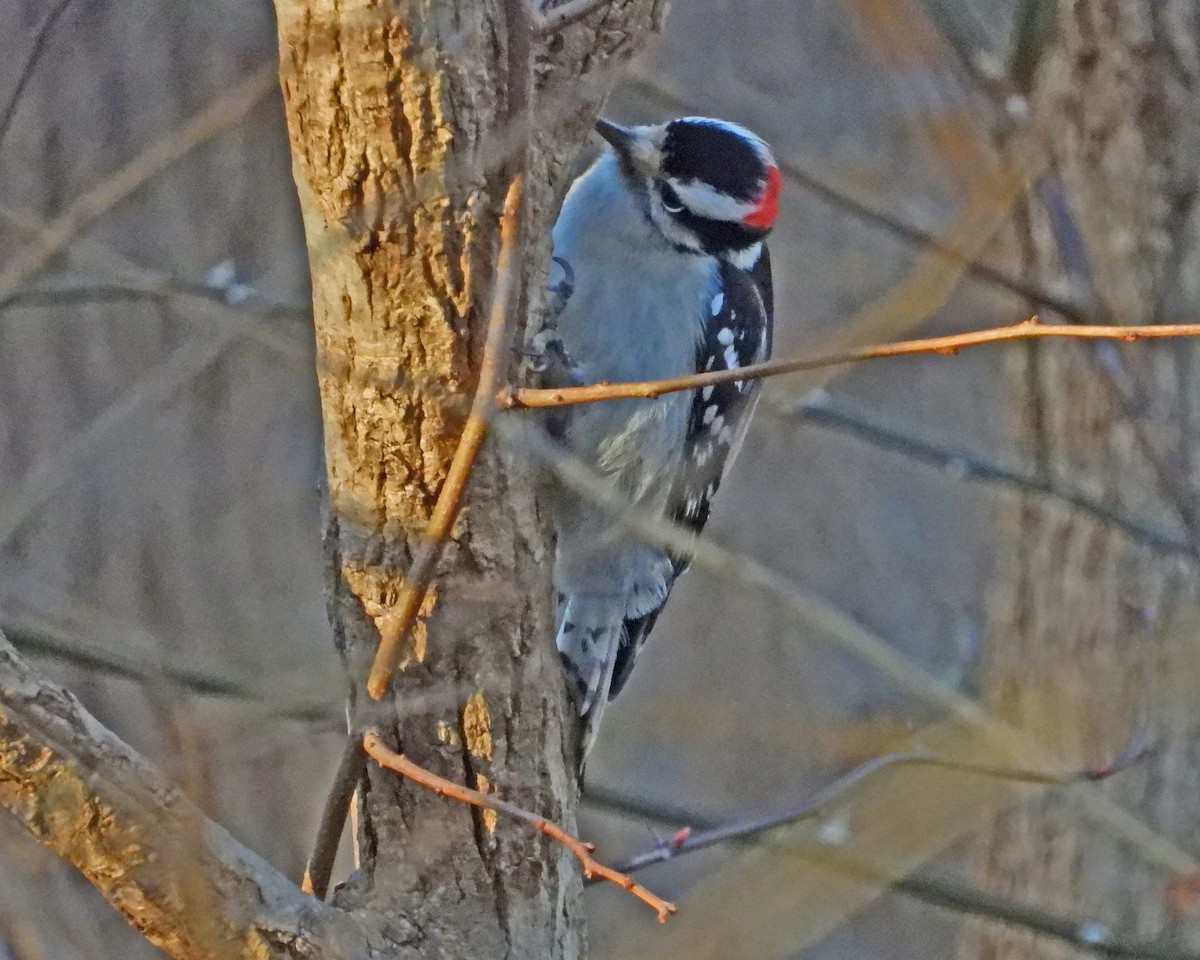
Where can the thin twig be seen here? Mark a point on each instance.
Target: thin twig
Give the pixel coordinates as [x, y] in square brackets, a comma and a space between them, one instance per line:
[1033, 30]
[37, 636]
[934, 889]
[821, 410]
[398, 622]
[832, 625]
[319, 868]
[37, 47]
[592, 869]
[527, 397]
[149, 163]
[944, 892]
[687, 841]
[117, 290]
[565, 14]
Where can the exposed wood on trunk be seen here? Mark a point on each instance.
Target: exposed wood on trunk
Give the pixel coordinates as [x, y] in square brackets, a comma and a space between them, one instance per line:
[406, 125]
[184, 882]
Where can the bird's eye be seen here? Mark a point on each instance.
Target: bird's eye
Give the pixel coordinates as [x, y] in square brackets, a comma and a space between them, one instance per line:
[670, 199]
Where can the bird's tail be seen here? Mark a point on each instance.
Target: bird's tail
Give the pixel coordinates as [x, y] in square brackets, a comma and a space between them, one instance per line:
[589, 635]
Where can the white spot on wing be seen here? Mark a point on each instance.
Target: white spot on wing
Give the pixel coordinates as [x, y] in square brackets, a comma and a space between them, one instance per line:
[731, 358]
[710, 413]
[725, 337]
[745, 259]
[714, 423]
[706, 393]
[718, 302]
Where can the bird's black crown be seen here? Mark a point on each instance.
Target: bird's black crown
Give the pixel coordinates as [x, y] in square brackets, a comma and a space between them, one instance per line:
[716, 153]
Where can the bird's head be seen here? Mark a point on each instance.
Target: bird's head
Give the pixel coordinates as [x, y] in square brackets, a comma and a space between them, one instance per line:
[710, 186]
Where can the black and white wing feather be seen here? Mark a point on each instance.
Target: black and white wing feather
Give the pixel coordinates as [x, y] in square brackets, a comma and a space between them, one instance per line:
[736, 333]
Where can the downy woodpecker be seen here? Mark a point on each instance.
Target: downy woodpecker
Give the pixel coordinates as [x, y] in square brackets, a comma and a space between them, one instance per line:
[663, 271]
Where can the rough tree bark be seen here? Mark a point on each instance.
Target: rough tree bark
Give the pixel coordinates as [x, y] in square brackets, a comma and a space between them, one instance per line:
[181, 880]
[406, 125]
[1091, 631]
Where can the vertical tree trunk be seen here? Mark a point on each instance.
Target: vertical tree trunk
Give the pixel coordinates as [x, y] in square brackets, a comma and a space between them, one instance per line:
[407, 122]
[1091, 631]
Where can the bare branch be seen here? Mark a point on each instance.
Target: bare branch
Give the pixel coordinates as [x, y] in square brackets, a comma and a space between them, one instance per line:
[70, 291]
[687, 840]
[934, 889]
[832, 625]
[89, 797]
[319, 868]
[592, 868]
[149, 163]
[527, 398]
[398, 622]
[197, 304]
[822, 410]
[37, 47]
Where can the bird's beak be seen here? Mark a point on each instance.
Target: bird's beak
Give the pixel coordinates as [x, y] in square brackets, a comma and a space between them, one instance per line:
[620, 138]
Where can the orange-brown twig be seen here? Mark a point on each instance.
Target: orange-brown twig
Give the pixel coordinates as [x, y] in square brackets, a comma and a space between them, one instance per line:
[398, 763]
[527, 397]
[398, 622]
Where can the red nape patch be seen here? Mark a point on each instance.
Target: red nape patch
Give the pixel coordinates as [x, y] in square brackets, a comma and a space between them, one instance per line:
[763, 215]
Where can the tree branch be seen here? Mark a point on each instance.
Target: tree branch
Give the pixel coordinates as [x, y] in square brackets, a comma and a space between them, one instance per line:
[832, 625]
[37, 47]
[118, 186]
[184, 882]
[822, 410]
[528, 397]
[687, 840]
[592, 868]
[932, 888]
[947, 893]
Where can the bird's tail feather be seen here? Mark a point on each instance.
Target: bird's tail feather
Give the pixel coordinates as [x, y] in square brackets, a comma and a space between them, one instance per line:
[589, 635]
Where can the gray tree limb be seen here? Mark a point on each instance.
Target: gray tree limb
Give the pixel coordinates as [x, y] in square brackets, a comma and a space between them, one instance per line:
[179, 878]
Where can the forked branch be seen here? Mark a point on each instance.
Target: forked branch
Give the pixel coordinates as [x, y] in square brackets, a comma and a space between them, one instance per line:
[687, 840]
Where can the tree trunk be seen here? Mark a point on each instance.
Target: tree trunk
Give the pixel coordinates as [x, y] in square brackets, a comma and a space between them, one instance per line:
[406, 128]
[1090, 631]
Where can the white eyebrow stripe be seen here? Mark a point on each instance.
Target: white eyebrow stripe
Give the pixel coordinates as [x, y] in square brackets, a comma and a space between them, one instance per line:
[704, 201]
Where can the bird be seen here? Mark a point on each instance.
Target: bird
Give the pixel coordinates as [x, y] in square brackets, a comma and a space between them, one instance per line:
[660, 268]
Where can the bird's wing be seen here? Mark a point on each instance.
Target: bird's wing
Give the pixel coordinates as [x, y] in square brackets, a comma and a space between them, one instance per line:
[737, 333]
